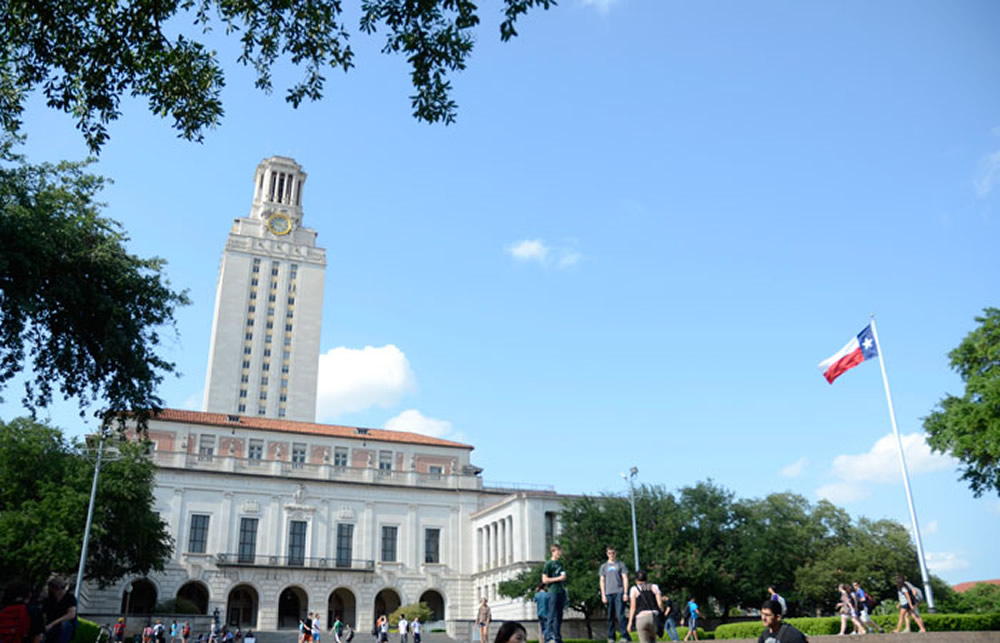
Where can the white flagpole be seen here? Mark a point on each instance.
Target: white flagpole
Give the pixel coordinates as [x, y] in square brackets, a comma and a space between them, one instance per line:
[906, 476]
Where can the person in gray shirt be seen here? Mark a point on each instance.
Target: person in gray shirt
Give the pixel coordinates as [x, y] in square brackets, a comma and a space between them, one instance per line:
[614, 593]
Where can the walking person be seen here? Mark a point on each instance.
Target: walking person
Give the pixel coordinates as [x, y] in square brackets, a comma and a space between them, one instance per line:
[316, 627]
[645, 603]
[670, 618]
[337, 628]
[483, 618]
[415, 626]
[908, 600]
[542, 611]
[614, 591]
[404, 629]
[693, 614]
[848, 612]
[383, 630]
[554, 579]
[175, 631]
[865, 605]
[775, 631]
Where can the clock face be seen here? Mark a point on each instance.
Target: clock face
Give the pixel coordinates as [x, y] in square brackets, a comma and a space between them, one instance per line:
[279, 224]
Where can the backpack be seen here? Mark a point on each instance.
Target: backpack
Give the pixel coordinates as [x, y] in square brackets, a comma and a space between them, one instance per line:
[917, 594]
[186, 631]
[14, 623]
[349, 634]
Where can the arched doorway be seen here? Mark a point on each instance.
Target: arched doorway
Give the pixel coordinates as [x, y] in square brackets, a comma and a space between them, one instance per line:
[141, 599]
[434, 600]
[292, 604]
[342, 605]
[241, 607]
[386, 602]
[196, 594]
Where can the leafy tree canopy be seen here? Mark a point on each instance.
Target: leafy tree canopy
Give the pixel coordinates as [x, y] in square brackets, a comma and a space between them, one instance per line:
[75, 305]
[85, 55]
[703, 541]
[44, 493]
[968, 427]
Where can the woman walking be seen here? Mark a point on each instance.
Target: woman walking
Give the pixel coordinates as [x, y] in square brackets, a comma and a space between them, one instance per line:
[645, 605]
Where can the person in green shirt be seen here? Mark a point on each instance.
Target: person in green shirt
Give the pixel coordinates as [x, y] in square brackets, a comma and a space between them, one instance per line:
[554, 579]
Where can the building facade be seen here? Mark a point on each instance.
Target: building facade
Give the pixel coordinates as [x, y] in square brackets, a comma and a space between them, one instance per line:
[273, 515]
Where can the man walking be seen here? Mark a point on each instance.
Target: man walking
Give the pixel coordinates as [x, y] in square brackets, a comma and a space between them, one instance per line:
[864, 608]
[554, 579]
[774, 630]
[670, 618]
[614, 591]
[404, 629]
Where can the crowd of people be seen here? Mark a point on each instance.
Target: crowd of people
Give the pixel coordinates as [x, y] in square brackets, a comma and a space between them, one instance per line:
[30, 618]
[653, 613]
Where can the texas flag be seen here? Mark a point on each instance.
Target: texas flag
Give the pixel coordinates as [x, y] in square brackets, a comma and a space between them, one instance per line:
[857, 350]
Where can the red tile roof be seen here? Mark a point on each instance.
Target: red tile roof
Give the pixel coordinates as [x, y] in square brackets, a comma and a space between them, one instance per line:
[966, 586]
[289, 426]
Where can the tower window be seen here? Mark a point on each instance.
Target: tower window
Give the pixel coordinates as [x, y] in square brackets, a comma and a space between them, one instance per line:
[246, 350]
[291, 301]
[263, 395]
[274, 270]
[267, 352]
[253, 294]
[261, 410]
[266, 366]
[251, 308]
[281, 413]
[242, 408]
[249, 336]
[244, 378]
[288, 327]
[243, 392]
[246, 363]
[249, 321]
[263, 380]
[271, 297]
[254, 281]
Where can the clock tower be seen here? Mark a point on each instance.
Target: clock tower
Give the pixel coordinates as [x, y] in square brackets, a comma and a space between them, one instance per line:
[264, 353]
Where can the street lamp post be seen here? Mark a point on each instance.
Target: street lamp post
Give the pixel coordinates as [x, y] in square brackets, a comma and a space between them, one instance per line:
[90, 516]
[632, 473]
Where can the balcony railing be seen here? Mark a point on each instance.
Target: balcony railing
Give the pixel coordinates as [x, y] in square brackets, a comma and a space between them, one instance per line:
[264, 560]
[325, 471]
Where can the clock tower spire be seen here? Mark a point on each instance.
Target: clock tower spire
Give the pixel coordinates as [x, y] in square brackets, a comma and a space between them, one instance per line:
[264, 353]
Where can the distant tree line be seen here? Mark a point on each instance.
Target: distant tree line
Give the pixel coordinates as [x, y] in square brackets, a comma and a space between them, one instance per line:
[703, 541]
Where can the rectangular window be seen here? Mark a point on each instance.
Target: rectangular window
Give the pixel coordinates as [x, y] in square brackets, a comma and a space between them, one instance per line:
[271, 297]
[266, 366]
[281, 413]
[288, 341]
[274, 271]
[286, 354]
[206, 447]
[297, 542]
[244, 378]
[284, 369]
[298, 455]
[289, 313]
[246, 351]
[261, 410]
[263, 395]
[345, 544]
[340, 456]
[550, 528]
[389, 544]
[253, 294]
[435, 471]
[256, 449]
[288, 327]
[246, 363]
[243, 392]
[263, 379]
[248, 540]
[385, 460]
[198, 536]
[250, 321]
[432, 545]
[241, 408]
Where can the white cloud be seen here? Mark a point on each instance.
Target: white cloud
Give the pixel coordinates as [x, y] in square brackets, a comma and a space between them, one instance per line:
[930, 528]
[537, 251]
[602, 5]
[416, 422]
[881, 463]
[988, 175]
[841, 493]
[353, 380]
[529, 250]
[994, 506]
[795, 469]
[193, 402]
[946, 561]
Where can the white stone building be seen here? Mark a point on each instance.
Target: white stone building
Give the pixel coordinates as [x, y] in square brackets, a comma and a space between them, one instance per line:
[274, 516]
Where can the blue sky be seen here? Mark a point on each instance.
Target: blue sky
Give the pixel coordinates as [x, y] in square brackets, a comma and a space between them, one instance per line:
[649, 224]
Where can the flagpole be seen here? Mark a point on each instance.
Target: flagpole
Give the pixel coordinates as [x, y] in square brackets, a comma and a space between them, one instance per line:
[906, 476]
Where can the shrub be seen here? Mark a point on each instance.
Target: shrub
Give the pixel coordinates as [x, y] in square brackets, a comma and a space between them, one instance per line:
[415, 609]
[86, 631]
[827, 625]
